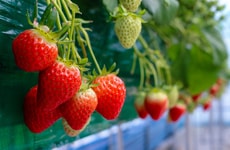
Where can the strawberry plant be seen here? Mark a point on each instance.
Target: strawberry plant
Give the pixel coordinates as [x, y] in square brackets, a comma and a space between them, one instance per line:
[170, 45]
[62, 69]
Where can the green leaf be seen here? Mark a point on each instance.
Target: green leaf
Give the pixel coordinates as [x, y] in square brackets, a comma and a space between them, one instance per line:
[162, 11]
[218, 46]
[202, 72]
[110, 4]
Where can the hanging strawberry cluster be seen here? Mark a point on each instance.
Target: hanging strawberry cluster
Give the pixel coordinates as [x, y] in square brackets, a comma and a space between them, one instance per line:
[67, 88]
[157, 92]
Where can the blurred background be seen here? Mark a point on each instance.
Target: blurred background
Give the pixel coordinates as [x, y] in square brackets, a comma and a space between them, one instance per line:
[197, 29]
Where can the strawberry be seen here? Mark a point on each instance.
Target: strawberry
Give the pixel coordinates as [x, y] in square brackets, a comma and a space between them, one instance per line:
[173, 95]
[57, 84]
[156, 103]
[110, 91]
[176, 112]
[127, 29]
[214, 89]
[131, 5]
[36, 119]
[70, 131]
[139, 105]
[196, 97]
[207, 104]
[34, 51]
[78, 109]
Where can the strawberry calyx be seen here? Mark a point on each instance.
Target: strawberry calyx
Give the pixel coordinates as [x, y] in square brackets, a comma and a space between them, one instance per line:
[120, 11]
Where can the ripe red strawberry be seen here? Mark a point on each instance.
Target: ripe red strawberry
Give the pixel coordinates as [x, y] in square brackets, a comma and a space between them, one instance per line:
[139, 105]
[111, 94]
[127, 29]
[36, 119]
[131, 5]
[156, 103]
[78, 110]
[214, 89]
[196, 97]
[70, 131]
[176, 112]
[57, 84]
[207, 104]
[34, 51]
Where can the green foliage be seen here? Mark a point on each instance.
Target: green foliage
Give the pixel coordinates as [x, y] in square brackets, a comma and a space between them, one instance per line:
[186, 32]
[162, 11]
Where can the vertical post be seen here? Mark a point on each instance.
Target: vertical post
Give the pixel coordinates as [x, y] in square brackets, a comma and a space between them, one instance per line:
[211, 129]
[120, 144]
[188, 133]
[221, 109]
[147, 134]
[195, 137]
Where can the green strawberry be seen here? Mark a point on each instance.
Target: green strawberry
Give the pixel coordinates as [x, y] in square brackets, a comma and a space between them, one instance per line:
[78, 110]
[111, 92]
[131, 5]
[173, 95]
[127, 29]
[34, 51]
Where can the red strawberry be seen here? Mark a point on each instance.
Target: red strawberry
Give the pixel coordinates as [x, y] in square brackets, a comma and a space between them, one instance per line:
[196, 97]
[36, 119]
[34, 51]
[207, 104]
[78, 110]
[70, 131]
[176, 112]
[57, 84]
[214, 89]
[139, 105]
[111, 94]
[156, 103]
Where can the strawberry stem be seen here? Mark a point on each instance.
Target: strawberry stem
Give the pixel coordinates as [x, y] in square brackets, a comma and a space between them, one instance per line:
[66, 9]
[134, 63]
[48, 2]
[59, 11]
[90, 50]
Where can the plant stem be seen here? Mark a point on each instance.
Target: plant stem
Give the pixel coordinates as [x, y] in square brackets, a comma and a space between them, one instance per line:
[143, 42]
[134, 63]
[90, 50]
[141, 65]
[142, 74]
[66, 9]
[59, 26]
[80, 41]
[59, 11]
[48, 2]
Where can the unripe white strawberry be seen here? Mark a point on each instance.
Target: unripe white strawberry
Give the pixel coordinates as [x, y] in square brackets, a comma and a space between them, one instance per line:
[70, 131]
[127, 29]
[131, 5]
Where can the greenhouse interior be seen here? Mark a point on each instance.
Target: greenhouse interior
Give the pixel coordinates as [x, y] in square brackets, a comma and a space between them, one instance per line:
[114, 75]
